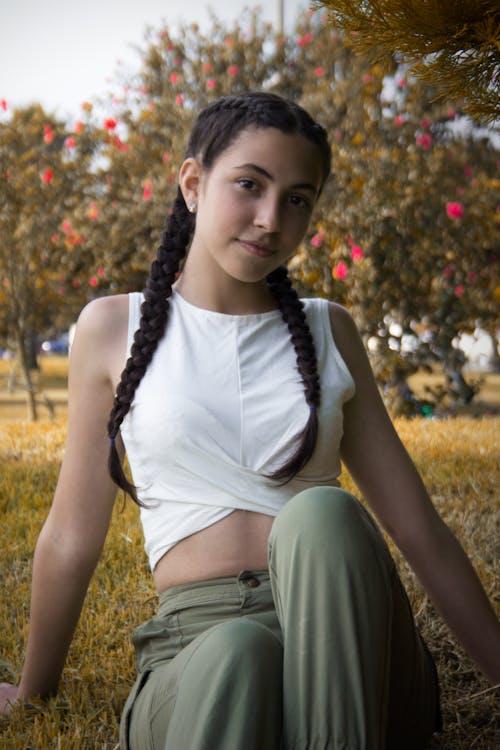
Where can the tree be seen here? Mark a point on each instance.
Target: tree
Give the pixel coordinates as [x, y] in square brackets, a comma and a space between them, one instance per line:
[44, 172]
[454, 46]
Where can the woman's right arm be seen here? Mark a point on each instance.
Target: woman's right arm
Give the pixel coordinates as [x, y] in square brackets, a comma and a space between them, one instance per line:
[71, 541]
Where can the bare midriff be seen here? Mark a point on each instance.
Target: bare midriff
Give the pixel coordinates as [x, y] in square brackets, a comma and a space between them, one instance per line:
[237, 542]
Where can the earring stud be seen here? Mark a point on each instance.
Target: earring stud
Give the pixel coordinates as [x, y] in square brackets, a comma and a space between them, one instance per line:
[192, 208]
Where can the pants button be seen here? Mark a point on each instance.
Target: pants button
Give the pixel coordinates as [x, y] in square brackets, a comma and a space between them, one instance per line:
[252, 582]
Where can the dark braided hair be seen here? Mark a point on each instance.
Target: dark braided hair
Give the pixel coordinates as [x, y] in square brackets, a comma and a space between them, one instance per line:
[215, 129]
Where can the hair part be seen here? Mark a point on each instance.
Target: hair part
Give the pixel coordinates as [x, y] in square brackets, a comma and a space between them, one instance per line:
[215, 129]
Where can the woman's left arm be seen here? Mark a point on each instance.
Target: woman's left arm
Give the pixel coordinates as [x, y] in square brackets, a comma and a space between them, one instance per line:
[390, 483]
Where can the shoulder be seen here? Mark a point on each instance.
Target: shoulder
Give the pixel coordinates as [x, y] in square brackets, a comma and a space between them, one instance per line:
[346, 336]
[101, 336]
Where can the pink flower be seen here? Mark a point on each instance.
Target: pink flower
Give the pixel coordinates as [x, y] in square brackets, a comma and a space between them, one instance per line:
[320, 71]
[66, 226]
[174, 78]
[340, 271]
[166, 157]
[455, 210]
[93, 281]
[101, 272]
[451, 113]
[148, 190]
[70, 142]
[399, 120]
[110, 123]
[233, 70]
[76, 283]
[207, 67]
[228, 41]
[3, 105]
[93, 212]
[424, 140]
[54, 239]
[179, 99]
[318, 239]
[119, 144]
[425, 123]
[211, 83]
[78, 127]
[48, 134]
[468, 170]
[47, 176]
[402, 83]
[459, 290]
[303, 40]
[367, 78]
[357, 253]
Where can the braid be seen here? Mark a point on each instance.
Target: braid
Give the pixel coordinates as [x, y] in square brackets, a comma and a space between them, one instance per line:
[293, 314]
[154, 313]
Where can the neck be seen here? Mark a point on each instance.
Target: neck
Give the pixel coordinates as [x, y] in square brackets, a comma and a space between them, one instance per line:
[225, 294]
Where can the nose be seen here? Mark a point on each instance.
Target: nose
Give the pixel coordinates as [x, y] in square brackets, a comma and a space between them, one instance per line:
[267, 216]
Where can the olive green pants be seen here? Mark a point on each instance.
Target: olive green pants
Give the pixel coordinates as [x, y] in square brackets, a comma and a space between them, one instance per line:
[321, 652]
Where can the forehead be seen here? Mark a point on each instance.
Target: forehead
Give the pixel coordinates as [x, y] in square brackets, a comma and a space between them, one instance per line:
[289, 157]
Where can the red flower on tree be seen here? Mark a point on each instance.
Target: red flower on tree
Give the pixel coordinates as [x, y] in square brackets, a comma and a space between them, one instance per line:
[3, 105]
[148, 190]
[339, 271]
[110, 123]
[233, 70]
[455, 209]
[357, 253]
[47, 176]
[318, 238]
[48, 136]
[424, 141]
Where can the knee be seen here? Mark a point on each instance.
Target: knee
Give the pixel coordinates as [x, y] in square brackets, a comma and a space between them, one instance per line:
[327, 518]
[319, 511]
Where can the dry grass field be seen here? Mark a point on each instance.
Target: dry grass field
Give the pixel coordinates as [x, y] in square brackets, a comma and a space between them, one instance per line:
[459, 460]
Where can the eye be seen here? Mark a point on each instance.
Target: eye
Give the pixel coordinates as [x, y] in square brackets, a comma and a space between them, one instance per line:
[300, 201]
[247, 183]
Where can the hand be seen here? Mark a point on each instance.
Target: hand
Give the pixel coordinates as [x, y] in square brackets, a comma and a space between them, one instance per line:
[8, 696]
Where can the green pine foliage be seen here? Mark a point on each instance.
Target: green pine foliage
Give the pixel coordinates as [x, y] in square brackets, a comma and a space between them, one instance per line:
[453, 45]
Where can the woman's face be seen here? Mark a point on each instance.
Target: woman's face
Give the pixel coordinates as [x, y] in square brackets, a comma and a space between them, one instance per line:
[254, 204]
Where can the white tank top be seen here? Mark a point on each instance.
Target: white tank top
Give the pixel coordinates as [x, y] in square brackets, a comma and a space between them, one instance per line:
[218, 408]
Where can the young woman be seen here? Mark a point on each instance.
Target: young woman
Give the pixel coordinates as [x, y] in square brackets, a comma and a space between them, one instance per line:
[282, 621]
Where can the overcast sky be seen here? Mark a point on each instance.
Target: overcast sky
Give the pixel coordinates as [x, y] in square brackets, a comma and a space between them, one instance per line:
[62, 52]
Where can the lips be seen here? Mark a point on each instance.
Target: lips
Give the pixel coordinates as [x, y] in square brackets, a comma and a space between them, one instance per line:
[256, 248]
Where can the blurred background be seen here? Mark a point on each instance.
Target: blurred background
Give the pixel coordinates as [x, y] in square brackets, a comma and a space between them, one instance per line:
[96, 101]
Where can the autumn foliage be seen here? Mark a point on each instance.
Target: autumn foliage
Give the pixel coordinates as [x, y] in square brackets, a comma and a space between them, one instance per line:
[405, 234]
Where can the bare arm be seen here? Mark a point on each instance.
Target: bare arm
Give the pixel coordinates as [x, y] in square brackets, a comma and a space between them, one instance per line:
[71, 541]
[390, 483]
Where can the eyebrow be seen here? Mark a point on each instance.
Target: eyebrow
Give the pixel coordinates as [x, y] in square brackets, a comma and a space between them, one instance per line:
[265, 173]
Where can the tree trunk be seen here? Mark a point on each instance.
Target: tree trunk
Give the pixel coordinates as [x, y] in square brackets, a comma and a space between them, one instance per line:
[23, 355]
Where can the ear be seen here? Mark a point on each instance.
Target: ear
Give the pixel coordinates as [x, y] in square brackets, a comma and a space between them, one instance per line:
[189, 180]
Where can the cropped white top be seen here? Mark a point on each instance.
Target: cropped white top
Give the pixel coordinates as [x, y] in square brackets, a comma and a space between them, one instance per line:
[219, 407]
